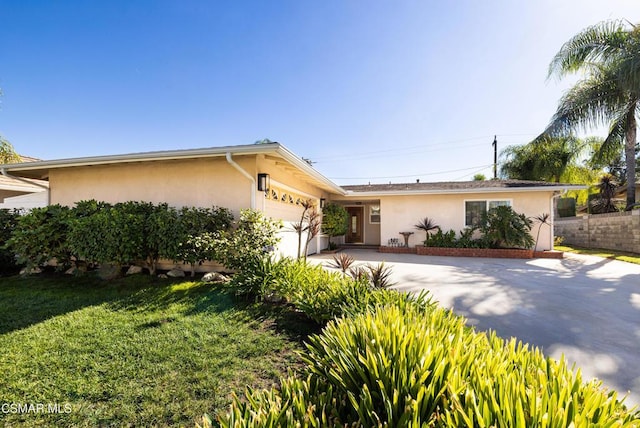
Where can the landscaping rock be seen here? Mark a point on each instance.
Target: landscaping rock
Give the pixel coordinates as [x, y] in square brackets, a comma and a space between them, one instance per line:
[216, 277]
[133, 270]
[71, 271]
[162, 276]
[32, 271]
[109, 271]
[176, 273]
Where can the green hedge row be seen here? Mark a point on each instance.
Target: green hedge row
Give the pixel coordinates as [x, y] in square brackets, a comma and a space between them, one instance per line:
[8, 222]
[390, 359]
[126, 233]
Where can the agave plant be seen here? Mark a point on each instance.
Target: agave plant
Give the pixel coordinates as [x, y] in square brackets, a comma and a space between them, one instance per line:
[428, 225]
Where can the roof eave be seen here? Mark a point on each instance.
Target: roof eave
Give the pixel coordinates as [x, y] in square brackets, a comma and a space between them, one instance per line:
[465, 191]
[252, 149]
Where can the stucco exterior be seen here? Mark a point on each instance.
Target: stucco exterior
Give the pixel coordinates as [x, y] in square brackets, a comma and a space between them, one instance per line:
[400, 213]
[228, 176]
[194, 182]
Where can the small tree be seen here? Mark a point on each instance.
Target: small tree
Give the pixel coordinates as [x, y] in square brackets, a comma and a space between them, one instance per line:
[606, 192]
[308, 226]
[427, 225]
[541, 219]
[335, 220]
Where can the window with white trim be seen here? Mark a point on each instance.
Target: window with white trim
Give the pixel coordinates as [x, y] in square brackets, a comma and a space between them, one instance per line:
[473, 210]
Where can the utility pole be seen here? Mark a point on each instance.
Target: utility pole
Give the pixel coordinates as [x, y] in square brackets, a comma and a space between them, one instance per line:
[495, 157]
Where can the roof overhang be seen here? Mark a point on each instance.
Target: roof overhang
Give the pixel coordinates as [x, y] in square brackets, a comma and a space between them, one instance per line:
[40, 169]
[551, 189]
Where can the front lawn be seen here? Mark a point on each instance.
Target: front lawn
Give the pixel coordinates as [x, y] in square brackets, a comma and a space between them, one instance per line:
[607, 254]
[135, 351]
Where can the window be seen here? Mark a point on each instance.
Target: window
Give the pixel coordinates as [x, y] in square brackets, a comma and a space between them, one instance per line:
[473, 210]
[374, 214]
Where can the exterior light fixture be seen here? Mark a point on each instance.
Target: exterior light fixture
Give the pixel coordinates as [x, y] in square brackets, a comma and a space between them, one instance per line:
[323, 202]
[263, 182]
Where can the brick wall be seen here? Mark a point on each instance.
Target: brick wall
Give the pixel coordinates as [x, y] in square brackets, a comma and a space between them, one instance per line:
[613, 231]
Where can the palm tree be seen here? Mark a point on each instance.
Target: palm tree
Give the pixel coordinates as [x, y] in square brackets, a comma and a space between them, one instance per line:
[542, 219]
[545, 159]
[427, 225]
[609, 54]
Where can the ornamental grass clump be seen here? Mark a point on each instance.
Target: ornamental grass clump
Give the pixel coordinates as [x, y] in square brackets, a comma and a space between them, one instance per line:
[412, 365]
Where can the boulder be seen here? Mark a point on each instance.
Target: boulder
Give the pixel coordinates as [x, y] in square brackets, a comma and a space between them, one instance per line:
[216, 277]
[33, 271]
[133, 270]
[176, 273]
[162, 276]
[109, 271]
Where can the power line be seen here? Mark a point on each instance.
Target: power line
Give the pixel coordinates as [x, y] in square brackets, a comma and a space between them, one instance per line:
[411, 150]
[411, 175]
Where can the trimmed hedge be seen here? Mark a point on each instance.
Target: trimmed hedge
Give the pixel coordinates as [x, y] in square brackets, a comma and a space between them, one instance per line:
[8, 222]
[120, 234]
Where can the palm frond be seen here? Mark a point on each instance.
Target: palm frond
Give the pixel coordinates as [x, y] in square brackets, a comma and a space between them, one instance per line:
[598, 43]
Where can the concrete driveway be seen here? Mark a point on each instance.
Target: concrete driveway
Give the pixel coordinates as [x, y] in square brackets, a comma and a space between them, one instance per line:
[585, 307]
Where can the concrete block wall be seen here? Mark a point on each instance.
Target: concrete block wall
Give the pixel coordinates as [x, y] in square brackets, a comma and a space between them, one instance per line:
[613, 231]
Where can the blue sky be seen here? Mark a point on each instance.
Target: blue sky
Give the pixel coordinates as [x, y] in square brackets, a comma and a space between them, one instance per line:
[372, 91]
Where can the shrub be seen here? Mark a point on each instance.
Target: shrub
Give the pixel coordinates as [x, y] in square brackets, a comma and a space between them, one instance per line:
[8, 222]
[411, 365]
[440, 239]
[41, 236]
[502, 227]
[252, 240]
[112, 234]
[199, 230]
[335, 220]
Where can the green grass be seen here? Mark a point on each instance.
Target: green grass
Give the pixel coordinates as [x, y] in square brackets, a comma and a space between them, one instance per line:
[607, 254]
[135, 351]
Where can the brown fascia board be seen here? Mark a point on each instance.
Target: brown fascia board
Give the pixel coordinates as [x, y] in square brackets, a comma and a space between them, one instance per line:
[40, 169]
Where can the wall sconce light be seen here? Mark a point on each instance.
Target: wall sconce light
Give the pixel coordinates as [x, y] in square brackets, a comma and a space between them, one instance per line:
[263, 182]
[323, 202]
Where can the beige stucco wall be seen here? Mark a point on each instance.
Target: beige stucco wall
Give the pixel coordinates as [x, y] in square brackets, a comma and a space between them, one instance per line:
[401, 213]
[194, 182]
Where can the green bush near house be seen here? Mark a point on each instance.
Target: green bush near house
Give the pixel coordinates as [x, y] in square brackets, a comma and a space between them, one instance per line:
[8, 222]
[500, 227]
[335, 220]
[41, 236]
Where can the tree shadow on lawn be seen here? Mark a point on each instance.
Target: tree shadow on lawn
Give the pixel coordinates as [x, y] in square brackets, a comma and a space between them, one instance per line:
[25, 301]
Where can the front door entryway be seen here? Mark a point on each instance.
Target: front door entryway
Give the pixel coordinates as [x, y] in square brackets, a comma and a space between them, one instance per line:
[354, 234]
